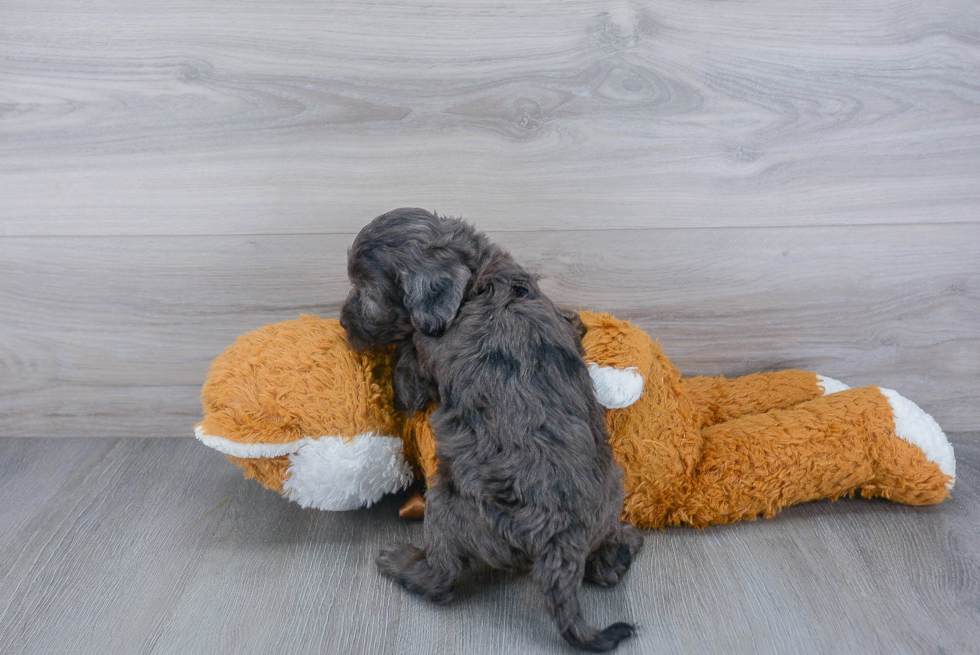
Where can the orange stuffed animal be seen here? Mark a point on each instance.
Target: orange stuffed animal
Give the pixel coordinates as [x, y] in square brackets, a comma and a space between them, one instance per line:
[306, 416]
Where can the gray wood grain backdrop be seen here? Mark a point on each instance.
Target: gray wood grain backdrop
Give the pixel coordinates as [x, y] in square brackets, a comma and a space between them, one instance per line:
[758, 184]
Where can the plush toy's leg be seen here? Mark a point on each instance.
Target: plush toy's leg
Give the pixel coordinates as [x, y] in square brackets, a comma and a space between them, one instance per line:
[413, 509]
[721, 399]
[868, 440]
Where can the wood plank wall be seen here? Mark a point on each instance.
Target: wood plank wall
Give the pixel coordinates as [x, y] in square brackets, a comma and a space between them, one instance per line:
[759, 184]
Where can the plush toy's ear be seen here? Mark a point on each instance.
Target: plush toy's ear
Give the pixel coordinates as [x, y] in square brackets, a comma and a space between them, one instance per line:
[433, 293]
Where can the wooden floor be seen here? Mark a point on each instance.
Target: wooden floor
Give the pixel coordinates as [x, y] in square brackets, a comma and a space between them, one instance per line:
[160, 546]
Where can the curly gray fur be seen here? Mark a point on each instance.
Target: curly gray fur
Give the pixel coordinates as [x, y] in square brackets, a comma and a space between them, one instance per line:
[526, 476]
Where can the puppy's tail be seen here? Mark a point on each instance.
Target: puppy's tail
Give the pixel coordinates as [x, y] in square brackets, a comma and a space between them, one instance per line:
[598, 642]
[560, 578]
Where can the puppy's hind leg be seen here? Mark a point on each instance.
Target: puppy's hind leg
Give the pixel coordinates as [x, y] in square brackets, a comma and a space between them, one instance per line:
[559, 571]
[608, 563]
[430, 574]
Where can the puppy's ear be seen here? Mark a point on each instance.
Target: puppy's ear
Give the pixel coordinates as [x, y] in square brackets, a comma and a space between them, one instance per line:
[433, 294]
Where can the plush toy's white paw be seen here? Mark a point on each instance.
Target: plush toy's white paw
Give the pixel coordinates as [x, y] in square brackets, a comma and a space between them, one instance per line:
[332, 473]
[616, 387]
[921, 430]
[830, 385]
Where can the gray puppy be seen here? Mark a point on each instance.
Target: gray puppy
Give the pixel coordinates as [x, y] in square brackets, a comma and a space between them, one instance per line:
[526, 477]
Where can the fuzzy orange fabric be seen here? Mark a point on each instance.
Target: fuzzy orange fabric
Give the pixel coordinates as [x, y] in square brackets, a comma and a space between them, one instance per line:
[696, 451]
[422, 454]
[828, 447]
[270, 472]
[292, 380]
[656, 439]
[297, 379]
[720, 399]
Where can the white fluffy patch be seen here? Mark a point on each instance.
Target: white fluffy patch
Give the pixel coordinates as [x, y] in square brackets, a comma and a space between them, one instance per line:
[332, 473]
[248, 450]
[921, 430]
[830, 385]
[616, 387]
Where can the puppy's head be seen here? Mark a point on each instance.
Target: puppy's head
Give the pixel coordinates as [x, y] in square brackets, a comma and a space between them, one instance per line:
[409, 272]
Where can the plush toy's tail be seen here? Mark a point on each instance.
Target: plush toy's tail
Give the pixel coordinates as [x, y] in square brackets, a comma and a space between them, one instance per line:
[870, 441]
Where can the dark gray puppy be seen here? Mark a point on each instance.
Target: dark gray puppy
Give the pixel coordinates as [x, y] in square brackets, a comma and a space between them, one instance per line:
[526, 475]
